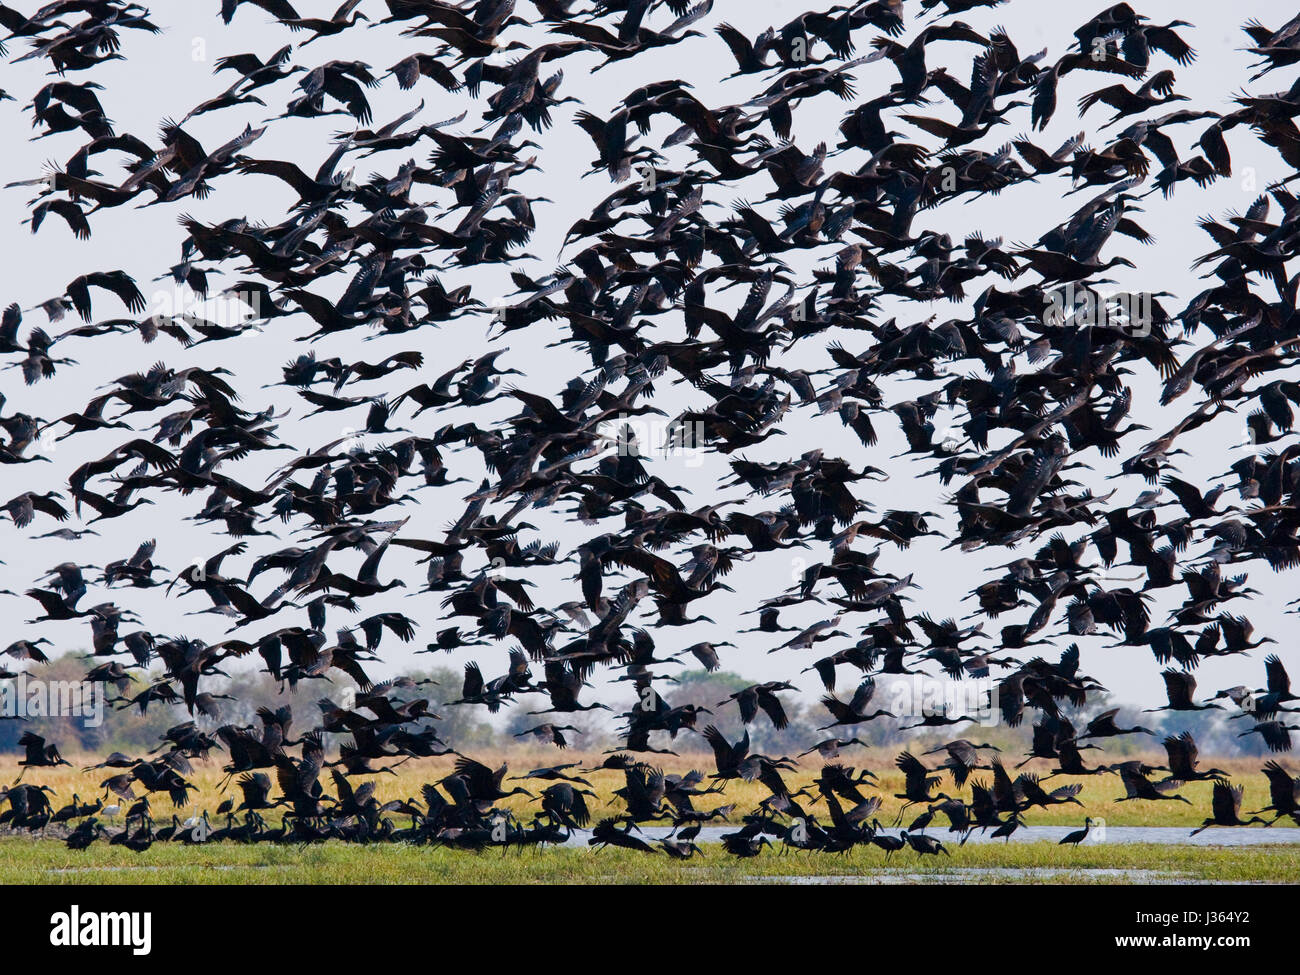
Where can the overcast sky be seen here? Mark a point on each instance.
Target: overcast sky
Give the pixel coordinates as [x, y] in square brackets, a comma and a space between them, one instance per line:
[165, 76]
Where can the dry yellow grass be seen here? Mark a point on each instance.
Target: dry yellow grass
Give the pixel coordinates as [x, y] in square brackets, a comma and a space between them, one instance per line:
[26, 858]
[1098, 795]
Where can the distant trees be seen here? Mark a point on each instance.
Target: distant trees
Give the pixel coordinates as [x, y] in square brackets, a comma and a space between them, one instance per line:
[464, 727]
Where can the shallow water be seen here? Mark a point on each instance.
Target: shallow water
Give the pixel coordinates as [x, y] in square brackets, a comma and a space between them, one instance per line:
[1161, 835]
[977, 875]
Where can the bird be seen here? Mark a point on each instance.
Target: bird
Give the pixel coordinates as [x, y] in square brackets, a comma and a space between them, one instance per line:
[1180, 688]
[1276, 734]
[1138, 786]
[1183, 760]
[1103, 726]
[38, 754]
[1283, 792]
[917, 783]
[1075, 837]
[1225, 808]
[855, 710]
[673, 416]
[923, 844]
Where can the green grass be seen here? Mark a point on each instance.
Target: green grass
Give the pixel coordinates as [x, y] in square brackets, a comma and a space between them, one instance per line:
[27, 860]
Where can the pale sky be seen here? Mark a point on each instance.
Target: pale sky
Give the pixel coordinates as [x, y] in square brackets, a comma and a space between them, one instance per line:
[164, 77]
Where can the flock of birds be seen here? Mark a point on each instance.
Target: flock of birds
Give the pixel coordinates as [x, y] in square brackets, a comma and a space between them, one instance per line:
[638, 296]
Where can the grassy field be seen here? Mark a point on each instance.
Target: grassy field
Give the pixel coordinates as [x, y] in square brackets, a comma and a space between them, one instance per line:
[25, 860]
[1098, 795]
[36, 859]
